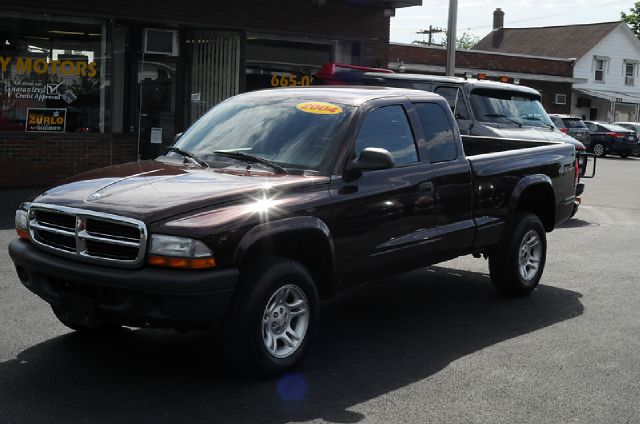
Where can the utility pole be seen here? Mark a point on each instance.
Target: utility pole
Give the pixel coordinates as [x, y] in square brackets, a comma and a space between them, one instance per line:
[451, 38]
[429, 32]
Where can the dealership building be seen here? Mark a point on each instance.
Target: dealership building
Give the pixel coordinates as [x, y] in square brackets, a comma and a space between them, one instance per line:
[90, 84]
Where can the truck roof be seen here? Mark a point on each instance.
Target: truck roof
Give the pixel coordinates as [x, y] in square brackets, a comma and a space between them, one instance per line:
[350, 95]
[472, 83]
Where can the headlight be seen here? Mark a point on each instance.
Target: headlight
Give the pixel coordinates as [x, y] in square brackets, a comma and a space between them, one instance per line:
[179, 252]
[22, 221]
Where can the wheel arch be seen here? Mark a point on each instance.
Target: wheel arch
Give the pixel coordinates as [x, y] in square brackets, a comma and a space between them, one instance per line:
[306, 240]
[535, 194]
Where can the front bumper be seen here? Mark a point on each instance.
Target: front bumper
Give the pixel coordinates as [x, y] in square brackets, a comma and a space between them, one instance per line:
[144, 297]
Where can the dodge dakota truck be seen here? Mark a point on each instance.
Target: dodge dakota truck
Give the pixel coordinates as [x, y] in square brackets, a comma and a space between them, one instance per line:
[276, 199]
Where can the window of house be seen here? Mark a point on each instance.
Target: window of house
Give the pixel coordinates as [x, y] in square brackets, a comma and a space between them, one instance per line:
[438, 132]
[599, 66]
[629, 73]
[53, 75]
[388, 128]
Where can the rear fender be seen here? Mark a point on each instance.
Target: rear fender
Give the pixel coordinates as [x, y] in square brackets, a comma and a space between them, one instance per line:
[540, 188]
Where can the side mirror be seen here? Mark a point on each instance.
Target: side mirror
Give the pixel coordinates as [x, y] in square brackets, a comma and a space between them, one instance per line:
[177, 137]
[371, 159]
[583, 164]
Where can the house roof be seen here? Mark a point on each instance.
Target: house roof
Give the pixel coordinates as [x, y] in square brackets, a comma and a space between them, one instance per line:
[569, 41]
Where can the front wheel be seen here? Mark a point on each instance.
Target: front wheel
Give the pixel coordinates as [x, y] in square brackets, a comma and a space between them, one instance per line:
[272, 317]
[516, 266]
[599, 150]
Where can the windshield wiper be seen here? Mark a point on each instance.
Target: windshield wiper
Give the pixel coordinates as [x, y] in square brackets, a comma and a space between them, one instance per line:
[252, 159]
[499, 115]
[189, 155]
[537, 118]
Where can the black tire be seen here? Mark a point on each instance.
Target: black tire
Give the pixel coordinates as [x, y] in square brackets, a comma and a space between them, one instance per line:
[242, 328]
[600, 149]
[624, 155]
[504, 261]
[102, 328]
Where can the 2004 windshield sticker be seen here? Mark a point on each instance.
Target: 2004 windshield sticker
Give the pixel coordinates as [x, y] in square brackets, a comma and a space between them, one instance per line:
[319, 108]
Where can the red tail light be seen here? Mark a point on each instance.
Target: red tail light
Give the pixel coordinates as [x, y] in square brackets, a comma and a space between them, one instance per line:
[564, 130]
[615, 135]
[576, 175]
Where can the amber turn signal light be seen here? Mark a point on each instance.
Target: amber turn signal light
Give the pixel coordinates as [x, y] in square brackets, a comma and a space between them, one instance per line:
[181, 263]
[24, 234]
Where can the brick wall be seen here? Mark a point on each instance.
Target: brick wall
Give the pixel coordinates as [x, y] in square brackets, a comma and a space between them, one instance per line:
[549, 90]
[43, 159]
[334, 20]
[477, 60]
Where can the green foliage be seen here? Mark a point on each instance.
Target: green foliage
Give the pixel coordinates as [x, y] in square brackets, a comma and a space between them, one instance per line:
[633, 18]
[466, 41]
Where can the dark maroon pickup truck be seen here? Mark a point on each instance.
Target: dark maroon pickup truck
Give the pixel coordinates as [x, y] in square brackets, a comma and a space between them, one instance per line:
[277, 199]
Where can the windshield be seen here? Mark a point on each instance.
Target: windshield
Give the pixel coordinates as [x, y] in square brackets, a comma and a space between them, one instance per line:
[573, 123]
[295, 134]
[509, 107]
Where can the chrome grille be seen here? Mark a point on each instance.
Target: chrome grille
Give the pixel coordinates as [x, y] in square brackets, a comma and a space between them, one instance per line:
[88, 236]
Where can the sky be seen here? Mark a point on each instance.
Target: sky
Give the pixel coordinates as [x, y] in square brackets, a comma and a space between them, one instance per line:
[476, 16]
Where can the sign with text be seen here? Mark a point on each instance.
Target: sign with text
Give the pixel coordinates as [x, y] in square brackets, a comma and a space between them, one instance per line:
[46, 120]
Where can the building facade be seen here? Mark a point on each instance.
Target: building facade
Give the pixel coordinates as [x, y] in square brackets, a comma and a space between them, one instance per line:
[84, 85]
[606, 59]
[612, 88]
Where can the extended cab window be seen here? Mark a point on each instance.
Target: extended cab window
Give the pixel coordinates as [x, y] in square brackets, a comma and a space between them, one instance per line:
[438, 132]
[388, 128]
[456, 101]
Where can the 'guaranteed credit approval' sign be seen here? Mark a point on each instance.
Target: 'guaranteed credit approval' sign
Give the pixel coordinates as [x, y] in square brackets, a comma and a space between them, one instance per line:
[46, 120]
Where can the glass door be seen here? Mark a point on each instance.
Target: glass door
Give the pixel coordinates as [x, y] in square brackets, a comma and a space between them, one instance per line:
[214, 67]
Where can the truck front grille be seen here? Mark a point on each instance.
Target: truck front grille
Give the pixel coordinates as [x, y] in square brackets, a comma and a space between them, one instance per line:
[88, 236]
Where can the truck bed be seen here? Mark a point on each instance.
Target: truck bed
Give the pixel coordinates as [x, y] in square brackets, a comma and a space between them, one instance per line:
[474, 146]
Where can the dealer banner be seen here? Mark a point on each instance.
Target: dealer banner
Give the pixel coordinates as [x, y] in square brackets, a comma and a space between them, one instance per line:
[46, 120]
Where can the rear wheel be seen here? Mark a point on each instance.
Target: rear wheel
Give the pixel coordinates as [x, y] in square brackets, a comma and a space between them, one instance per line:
[624, 155]
[273, 315]
[599, 150]
[516, 266]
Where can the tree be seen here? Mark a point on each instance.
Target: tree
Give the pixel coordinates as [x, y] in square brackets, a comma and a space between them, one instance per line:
[633, 18]
[466, 41]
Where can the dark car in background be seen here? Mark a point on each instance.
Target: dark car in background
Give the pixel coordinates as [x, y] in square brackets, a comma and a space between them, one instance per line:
[612, 139]
[573, 126]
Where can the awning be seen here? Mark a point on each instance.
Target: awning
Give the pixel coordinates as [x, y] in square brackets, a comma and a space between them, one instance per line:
[612, 96]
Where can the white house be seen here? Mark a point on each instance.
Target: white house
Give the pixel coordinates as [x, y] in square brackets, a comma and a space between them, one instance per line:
[606, 61]
[612, 90]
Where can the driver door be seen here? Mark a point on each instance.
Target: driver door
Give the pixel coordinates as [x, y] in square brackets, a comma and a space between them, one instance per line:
[385, 220]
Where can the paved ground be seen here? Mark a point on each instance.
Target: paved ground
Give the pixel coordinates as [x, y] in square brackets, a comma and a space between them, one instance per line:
[433, 346]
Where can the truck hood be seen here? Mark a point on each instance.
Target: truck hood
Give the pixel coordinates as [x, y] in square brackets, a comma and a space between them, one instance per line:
[532, 133]
[152, 191]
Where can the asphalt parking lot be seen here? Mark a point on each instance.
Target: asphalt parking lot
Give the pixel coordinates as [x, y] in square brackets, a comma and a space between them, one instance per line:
[437, 345]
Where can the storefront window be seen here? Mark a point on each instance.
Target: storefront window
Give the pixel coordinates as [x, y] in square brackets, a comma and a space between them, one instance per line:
[53, 75]
[281, 61]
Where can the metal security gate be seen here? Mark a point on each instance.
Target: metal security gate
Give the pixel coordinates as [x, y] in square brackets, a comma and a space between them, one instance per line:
[215, 60]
